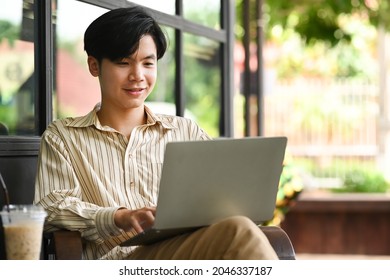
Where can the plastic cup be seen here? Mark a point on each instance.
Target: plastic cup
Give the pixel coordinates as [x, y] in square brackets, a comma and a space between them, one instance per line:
[23, 228]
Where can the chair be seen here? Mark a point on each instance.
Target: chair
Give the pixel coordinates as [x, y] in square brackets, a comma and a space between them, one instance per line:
[67, 245]
[280, 241]
[62, 245]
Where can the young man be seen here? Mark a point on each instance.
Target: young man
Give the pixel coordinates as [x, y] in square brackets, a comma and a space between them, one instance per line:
[99, 174]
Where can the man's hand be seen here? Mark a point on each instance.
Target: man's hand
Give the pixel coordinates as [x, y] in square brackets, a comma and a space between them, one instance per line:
[139, 219]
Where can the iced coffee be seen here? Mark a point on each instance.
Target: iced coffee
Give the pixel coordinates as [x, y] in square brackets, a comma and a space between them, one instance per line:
[23, 227]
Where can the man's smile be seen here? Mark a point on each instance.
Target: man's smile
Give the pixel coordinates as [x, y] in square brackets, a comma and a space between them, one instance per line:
[135, 91]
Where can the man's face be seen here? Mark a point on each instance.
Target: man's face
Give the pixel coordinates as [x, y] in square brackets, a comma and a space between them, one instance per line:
[126, 83]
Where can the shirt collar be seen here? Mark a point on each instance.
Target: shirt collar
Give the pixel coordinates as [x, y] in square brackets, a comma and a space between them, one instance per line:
[153, 119]
[91, 119]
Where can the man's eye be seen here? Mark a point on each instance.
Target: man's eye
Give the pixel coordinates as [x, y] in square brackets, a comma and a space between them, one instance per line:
[149, 63]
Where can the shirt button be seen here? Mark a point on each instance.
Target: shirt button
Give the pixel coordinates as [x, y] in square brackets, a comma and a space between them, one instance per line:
[132, 184]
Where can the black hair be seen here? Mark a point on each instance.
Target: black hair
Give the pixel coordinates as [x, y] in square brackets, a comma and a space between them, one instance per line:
[116, 34]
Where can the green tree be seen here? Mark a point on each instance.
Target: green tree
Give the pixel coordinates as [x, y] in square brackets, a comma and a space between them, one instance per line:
[316, 20]
[8, 31]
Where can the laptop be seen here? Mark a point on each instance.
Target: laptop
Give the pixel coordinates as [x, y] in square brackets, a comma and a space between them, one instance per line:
[203, 182]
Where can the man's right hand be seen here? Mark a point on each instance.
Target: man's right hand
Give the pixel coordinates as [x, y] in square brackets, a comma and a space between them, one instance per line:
[139, 219]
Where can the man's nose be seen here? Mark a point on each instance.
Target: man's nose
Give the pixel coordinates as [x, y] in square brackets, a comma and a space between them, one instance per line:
[135, 73]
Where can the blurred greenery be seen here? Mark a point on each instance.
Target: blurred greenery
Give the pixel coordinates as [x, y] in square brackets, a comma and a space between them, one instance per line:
[356, 176]
[364, 181]
[316, 20]
[290, 186]
[8, 116]
[319, 38]
[9, 32]
[202, 90]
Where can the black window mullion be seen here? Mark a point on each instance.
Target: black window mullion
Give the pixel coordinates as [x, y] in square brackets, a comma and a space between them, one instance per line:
[247, 72]
[179, 70]
[43, 65]
[260, 68]
[227, 68]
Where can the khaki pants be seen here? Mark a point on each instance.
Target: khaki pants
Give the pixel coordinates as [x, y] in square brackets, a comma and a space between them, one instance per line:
[235, 238]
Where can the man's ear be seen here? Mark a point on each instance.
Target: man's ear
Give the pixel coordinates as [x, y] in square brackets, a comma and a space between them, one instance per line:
[93, 66]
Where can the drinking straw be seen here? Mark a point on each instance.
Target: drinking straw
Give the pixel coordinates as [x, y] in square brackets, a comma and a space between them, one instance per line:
[6, 197]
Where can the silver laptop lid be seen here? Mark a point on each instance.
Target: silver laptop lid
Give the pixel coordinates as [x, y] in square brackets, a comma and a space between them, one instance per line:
[205, 181]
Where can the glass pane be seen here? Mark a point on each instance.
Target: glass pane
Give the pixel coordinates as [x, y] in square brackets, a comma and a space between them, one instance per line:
[166, 6]
[202, 81]
[16, 68]
[162, 99]
[76, 91]
[205, 12]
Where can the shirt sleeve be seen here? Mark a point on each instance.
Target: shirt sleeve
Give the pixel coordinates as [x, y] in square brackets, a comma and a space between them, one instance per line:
[58, 190]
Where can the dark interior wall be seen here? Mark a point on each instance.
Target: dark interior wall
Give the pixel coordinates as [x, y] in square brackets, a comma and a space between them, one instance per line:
[19, 175]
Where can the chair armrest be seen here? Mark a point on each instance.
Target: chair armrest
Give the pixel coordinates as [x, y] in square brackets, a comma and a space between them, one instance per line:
[280, 242]
[62, 245]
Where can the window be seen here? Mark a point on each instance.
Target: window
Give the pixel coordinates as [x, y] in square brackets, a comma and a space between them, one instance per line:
[193, 51]
[205, 12]
[76, 91]
[166, 6]
[17, 96]
[202, 80]
[44, 75]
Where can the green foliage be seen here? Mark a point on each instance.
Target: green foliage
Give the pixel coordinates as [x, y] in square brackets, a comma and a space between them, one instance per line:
[363, 181]
[290, 186]
[202, 78]
[8, 31]
[8, 116]
[357, 177]
[317, 20]
[319, 38]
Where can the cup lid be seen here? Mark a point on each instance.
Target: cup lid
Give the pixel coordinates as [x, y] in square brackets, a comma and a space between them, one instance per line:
[24, 208]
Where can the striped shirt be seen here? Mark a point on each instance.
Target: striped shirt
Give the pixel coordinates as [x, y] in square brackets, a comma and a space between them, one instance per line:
[87, 171]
